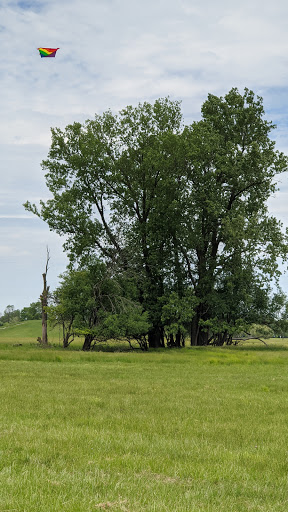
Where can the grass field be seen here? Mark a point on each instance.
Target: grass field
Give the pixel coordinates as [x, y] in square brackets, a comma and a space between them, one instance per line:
[197, 429]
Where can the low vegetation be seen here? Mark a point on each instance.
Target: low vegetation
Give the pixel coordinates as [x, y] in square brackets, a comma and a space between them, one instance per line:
[195, 429]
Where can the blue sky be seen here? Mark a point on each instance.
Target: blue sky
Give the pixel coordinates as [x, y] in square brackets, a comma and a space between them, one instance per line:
[113, 54]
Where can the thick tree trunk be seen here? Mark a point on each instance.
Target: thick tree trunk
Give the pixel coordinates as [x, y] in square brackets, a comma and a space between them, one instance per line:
[198, 335]
[87, 342]
[203, 337]
[194, 331]
[178, 339]
[156, 337]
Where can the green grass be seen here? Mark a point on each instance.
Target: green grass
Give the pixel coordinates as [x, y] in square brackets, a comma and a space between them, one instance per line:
[27, 332]
[198, 429]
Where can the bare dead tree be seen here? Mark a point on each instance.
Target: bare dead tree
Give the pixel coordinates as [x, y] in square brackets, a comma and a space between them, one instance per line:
[44, 303]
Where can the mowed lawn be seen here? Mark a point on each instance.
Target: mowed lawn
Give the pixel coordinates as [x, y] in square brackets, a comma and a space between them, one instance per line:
[197, 429]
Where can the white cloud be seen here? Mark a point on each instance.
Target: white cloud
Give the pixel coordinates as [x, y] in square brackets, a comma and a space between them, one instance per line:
[6, 250]
[112, 54]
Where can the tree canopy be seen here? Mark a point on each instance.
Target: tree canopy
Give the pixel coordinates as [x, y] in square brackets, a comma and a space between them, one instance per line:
[91, 302]
[180, 211]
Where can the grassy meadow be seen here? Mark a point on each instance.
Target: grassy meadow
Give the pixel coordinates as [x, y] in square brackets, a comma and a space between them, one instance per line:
[190, 430]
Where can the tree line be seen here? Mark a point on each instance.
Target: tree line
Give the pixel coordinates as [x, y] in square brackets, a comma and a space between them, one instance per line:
[12, 315]
[166, 225]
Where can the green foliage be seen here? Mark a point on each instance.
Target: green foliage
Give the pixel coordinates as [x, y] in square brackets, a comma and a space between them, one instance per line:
[131, 325]
[177, 314]
[11, 315]
[82, 301]
[175, 209]
[32, 312]
[261, 331]
[232, 242]
[91, 302]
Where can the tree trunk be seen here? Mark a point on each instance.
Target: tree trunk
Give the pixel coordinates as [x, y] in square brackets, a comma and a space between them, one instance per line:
[67, 333]
[44, 303]
[198, 335]
[156, 337]
[194, 331]
[178, 339]
[87, 342]
[66, 340]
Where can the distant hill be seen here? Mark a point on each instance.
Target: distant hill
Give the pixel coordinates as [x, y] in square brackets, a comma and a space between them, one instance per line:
[27, 332]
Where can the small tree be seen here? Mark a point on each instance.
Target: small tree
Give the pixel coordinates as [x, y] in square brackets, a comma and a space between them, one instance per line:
[8, 313]
[69, 304]
[82, 301]
[93, 303]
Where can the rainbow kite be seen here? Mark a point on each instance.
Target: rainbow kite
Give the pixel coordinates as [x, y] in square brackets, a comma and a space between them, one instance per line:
[47, 52]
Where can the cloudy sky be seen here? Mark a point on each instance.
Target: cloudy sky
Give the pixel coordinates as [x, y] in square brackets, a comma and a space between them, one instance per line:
[113, 54]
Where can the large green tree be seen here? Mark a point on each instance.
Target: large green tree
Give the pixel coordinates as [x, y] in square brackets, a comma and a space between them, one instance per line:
[113, 181]
[180, 210]
[229, 237]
